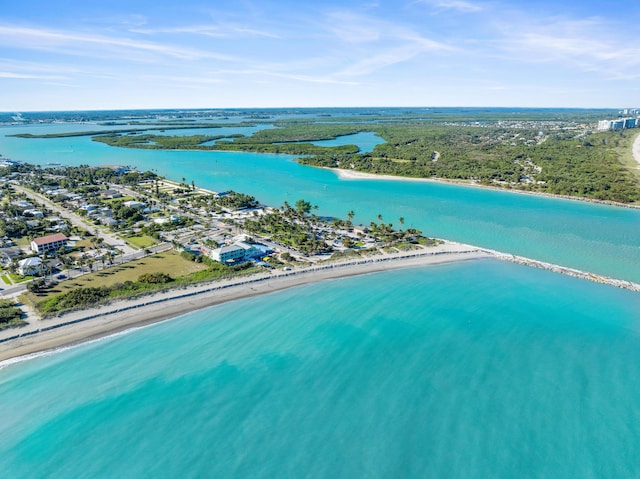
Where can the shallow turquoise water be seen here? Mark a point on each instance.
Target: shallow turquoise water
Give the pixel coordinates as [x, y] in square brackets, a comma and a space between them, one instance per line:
[469, 370]
[596, 238]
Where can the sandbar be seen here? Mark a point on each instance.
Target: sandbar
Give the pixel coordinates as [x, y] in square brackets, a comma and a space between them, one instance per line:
[81, 326]
[344, 174]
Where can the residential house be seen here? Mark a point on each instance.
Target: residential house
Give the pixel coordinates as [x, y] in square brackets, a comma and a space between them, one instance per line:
[7, 255]
[134, 204]
[110, 194]
[30, 266]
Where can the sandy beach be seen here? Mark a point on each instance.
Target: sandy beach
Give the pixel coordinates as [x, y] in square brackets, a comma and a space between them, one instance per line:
[358, 175]
[82, 326]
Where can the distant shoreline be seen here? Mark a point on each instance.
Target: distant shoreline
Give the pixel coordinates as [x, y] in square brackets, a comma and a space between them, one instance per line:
[352, 175]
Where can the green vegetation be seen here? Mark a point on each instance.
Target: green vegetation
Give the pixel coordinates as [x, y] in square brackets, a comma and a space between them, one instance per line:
[586, 166]
[135, 131]
[291, 227]
[196, 142]
[169, 261]
[231, 200]
[10, 314]
[523, 152]
[547, 151]
[130, 280]
[140, 242]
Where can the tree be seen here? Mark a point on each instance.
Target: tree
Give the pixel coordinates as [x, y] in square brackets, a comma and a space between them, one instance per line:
[303, 207]
[350, 215]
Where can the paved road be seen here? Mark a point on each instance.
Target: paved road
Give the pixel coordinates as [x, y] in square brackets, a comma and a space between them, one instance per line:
[109, 238]
[18, 289]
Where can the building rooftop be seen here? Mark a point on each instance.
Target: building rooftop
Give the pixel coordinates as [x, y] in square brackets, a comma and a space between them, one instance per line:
[43, 240]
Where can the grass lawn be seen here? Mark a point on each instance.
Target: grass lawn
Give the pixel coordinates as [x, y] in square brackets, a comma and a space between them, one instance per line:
[16, 278]
[169, 262]
[5, 279]
[83, 244]
[140, 241]
[23, 241]
[110, 201]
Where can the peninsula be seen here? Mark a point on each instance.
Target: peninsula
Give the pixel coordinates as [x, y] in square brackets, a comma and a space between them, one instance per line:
[143, 249]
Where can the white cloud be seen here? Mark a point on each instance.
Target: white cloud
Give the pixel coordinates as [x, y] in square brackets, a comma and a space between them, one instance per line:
[375, 44]
[392, 56]
[458, 5]
[28, 76]
[215, 31]
[65, 42]
[589, 45]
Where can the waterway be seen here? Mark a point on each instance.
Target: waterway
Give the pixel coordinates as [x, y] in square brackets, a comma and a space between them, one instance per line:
[469, 370]
[598, 238]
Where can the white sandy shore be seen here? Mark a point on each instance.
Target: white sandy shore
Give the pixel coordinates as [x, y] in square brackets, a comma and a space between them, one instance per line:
[119, 316]
[636, 150]
[359, 175]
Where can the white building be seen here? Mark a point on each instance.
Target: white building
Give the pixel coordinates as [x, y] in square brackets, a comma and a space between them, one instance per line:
[30, 266]
[134, 204]
[227, 254]
[249, 250]
[48, 243]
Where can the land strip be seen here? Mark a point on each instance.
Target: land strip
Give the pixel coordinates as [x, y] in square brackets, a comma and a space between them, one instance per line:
[81, 326]
[359, 175]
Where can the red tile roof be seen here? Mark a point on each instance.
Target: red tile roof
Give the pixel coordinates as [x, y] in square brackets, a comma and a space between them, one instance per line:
[44, 240]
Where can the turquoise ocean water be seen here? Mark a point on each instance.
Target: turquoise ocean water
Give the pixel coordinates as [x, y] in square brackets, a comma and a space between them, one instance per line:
[479, 369]
[469, 370]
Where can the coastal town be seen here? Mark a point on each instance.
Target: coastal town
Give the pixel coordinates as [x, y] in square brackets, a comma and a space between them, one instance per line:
[116, 233]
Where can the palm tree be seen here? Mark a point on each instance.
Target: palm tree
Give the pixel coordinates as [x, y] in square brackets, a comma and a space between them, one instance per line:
[350, 215]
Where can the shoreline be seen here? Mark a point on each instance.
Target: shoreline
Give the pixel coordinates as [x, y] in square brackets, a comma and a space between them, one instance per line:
[353, 175]
[87, 325]
[83, 326]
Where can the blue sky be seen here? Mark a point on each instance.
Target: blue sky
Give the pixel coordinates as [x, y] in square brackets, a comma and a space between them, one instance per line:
[65, 55]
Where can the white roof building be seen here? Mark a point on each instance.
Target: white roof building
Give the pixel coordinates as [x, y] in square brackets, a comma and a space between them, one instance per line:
[30, 266]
